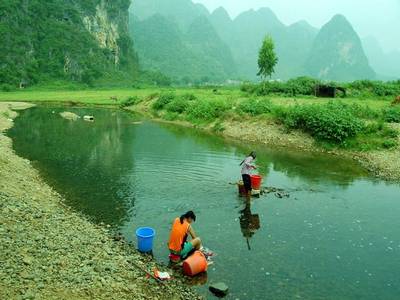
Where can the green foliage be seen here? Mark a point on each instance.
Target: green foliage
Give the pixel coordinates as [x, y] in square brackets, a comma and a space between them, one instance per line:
[392, 114]
[256, 107]
[207, 110]
[134, 100]
[171, 116]
[43, 40]
[374, 136]
[7, 87]
[331, 122]
[302, 86]
[369, 88]
[298, 86]
[163, 101]
[178, 105]
[389, 144]
[267, 58]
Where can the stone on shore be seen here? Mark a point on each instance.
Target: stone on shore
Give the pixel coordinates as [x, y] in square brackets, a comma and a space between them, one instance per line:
[219, 289]
[69, 116]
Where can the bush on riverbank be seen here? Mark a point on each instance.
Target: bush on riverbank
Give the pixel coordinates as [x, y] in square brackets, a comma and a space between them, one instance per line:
[130, 101]
[332, 122]
[206, 110]
[256, 107]
[163, 100]
[298, 86]
[392, 114]
[305, 86]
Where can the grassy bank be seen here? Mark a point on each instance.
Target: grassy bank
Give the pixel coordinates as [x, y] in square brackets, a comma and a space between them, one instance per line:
[48, 251]
[363, 126]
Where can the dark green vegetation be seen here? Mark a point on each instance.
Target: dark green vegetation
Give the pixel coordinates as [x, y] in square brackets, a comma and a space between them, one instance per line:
[305, 86]
[186, 42]
[73, 40]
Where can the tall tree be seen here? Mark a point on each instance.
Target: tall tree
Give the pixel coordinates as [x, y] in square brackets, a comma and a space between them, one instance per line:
[267, 58]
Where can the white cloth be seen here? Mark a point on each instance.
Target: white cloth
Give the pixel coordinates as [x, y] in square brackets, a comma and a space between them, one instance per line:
[247, 166]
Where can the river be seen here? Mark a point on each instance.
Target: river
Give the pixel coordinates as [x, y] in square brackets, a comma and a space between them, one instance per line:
[337, 235]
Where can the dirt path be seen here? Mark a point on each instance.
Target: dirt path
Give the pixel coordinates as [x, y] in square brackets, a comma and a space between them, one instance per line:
[47, 251]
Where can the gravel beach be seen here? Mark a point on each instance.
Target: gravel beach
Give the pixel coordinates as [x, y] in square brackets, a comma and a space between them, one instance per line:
[48, 251]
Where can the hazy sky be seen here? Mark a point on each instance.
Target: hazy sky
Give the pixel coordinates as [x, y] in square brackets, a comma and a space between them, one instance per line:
[379, 18]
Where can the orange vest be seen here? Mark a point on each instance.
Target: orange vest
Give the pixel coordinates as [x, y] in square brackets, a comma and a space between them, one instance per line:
[178, 235]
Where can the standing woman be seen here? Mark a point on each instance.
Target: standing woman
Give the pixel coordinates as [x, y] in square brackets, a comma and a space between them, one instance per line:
[247, 166]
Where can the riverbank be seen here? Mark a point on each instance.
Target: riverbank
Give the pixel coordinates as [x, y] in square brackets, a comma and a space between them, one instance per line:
[232, 114]
[383, 163]
[48, 251]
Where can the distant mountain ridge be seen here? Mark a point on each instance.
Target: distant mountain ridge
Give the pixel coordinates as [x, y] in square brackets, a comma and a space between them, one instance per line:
[333, 53]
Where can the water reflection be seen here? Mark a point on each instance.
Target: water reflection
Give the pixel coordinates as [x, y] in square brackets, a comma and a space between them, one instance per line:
[86, 162]
[249, 222]
[311, 167]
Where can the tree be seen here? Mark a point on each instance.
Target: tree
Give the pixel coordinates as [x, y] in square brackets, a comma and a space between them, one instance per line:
[267, 58]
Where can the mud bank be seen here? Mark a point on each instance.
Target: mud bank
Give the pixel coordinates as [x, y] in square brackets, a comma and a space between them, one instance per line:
[48, 251]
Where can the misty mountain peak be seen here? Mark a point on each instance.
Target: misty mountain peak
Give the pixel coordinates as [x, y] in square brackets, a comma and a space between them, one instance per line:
[338, 54]
[220, 13]
[340, 22]
[303, 24]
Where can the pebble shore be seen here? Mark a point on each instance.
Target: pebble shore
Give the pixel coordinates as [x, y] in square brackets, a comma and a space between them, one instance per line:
[49, 251]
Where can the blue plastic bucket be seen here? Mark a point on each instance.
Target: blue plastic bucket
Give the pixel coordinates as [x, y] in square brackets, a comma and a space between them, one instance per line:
[145, 237]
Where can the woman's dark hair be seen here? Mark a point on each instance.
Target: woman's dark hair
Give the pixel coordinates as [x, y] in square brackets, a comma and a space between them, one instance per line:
[189, 214]
[252, 154]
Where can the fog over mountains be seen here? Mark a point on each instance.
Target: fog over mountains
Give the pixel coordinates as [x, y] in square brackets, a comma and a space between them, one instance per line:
[186, 42]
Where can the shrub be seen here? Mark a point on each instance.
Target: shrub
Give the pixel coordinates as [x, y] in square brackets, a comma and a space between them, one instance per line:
[249, 87]
[392, 114]
[389, 144]
[171, 116]
[206, 109]
[363, 111]
[331, 122]
[178, 105]
[256, 107]
[302, 86]
[189, 97]
[129, 101]
[7, 87]
[373, 88]
[163, 101]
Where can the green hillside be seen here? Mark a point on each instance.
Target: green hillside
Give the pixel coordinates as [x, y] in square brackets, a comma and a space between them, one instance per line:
[71, 40]
[194, 54]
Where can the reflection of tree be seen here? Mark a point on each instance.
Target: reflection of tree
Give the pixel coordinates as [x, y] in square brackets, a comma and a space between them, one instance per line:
[87, 162]
[249, 223]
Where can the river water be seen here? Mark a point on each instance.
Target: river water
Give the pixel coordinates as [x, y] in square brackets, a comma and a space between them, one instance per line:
[336, 237]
